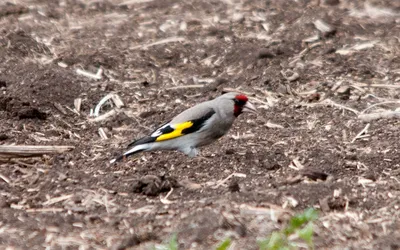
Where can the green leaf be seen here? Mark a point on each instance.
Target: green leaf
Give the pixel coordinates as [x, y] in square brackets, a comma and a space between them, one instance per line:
[301, 224]
[311, 214]
[297, 221]
[224, 245]
[276, 242]
[306, 233]
[173, 243]
[263, 244]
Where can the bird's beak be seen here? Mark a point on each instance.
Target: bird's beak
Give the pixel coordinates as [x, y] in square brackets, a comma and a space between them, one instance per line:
[249, 107]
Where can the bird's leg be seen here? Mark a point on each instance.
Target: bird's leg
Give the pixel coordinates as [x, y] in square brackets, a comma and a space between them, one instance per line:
[189, 151]
[193, 152]
[199, 156]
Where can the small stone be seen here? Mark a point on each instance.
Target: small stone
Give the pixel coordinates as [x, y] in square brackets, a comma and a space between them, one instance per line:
[4, 203]
[370, 176]
[3, 84]
[331, 2]
[230, 151]
[314, 174]
[145, 83]
[264, 53]
[238, 17]
[31, 113]
[234, 186]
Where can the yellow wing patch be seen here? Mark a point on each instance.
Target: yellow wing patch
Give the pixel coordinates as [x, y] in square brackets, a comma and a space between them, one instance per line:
[176, 133]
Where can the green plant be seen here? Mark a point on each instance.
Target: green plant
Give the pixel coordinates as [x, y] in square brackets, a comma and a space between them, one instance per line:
[171, 245]
[224, 245]
[300, 225]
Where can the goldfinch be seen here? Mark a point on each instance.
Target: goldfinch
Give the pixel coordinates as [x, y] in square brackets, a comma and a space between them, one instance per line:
[195, 127]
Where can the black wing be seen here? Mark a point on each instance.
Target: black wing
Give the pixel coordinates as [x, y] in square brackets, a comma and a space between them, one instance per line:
[170, 131]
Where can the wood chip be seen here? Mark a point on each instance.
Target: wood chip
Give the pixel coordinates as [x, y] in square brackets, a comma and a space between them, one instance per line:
[77, 104]
[323, 203]
[60, 108]
[323, 27]
[102, 134]
[273, 125]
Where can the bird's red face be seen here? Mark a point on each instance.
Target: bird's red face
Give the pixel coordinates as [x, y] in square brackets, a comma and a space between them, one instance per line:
[242, 104]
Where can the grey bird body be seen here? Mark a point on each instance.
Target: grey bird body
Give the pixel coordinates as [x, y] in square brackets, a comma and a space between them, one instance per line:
[195, 127]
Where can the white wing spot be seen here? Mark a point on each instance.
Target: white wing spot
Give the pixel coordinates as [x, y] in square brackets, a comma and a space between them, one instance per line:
[158, 132]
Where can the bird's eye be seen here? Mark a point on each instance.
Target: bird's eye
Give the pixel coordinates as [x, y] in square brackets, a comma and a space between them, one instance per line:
[239, 102]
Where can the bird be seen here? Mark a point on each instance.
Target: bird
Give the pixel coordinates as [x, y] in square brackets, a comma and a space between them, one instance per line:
[195, 127]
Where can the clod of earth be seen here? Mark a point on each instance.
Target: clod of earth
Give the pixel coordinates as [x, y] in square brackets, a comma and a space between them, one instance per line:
[31, 113]
[152, 185]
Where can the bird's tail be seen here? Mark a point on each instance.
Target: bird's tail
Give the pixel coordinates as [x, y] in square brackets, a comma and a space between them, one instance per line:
[133, 150]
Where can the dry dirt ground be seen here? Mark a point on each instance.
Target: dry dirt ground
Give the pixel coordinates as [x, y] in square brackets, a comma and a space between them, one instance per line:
[311, 67]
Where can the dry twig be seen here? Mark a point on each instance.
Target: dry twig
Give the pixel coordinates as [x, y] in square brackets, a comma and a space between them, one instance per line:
[163, 41]
[329, 102]
[222, 182]
[15, 151]
[365, 129]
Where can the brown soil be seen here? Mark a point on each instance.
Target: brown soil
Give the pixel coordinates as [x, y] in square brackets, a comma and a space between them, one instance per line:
[297, 153]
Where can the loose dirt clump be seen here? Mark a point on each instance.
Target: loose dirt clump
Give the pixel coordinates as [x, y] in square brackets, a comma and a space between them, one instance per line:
[153, 185]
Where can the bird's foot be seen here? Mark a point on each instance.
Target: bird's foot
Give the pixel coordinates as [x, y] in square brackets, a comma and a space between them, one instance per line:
[191, 151]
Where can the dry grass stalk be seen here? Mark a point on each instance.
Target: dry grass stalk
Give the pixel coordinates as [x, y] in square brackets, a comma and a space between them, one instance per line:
[57, 199]
[15, 151]
[379, 115]
[111, 96]
[378, 104]
[5, 179]
[363, 131]
[97, 76]
[106, 116]
[193, 86]
[163, 41]
[222, 182]
[45, 210]
[165, 199]
[131, 2]
[377, 85]
[329, 102]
